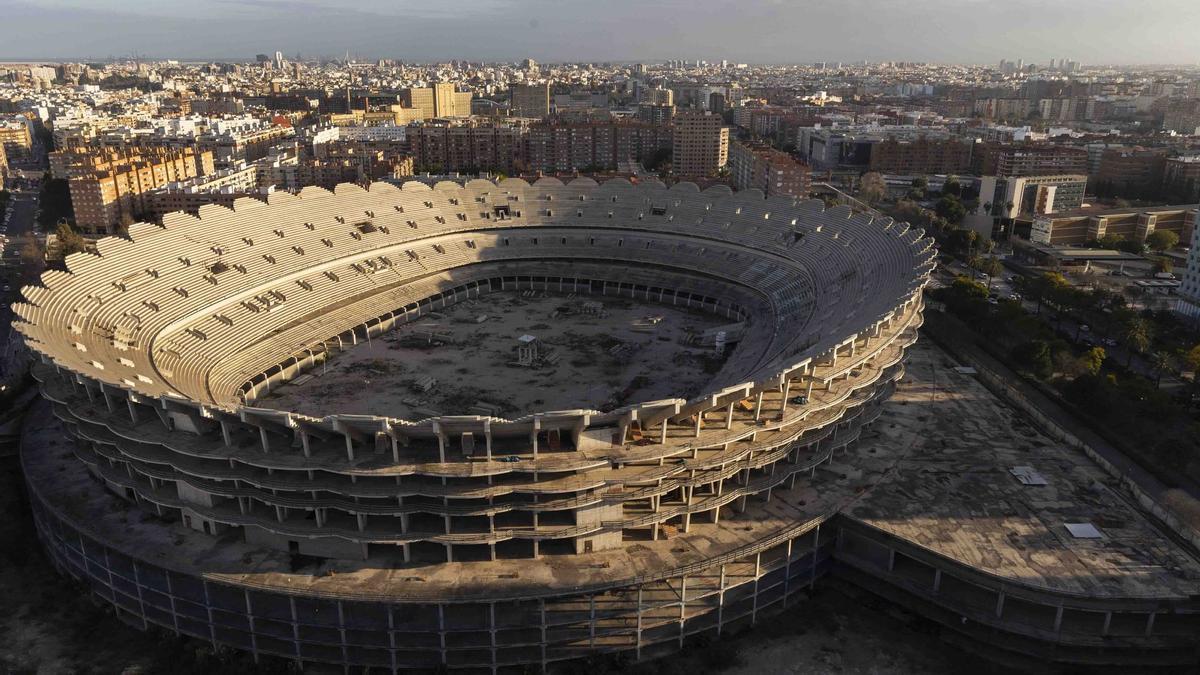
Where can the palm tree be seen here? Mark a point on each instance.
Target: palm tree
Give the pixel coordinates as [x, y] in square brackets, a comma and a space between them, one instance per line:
[1136, 334]
[1160, 362]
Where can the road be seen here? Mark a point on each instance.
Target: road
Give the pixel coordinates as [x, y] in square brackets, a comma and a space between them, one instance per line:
[1067, 327]
[21, 226]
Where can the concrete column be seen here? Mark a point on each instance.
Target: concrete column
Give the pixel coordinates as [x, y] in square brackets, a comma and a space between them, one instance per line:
[682, 606]
[729, 416]
[758, 406]
[721, 602]
[266, 443]
[999, 604]
[638, 648]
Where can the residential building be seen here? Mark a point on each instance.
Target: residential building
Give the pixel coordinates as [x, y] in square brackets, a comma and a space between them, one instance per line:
[15, 137]
[1182, 116]
[701, 143]
[529, 100]
[1028, 159]
[106, 189]
[656, 113]
[1130, 171]
[1181, 178]
[558, 147]
[440, 100]
[774, 172]
[921, 157]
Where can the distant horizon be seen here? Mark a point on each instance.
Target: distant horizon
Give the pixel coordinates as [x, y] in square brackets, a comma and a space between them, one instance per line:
[761, 32]
[7, 61]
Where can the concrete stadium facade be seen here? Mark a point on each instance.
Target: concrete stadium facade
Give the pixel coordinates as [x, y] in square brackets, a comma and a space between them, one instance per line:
[647, 523]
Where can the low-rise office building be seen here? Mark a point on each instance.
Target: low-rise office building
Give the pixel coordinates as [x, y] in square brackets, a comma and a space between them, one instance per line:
[1079, 227]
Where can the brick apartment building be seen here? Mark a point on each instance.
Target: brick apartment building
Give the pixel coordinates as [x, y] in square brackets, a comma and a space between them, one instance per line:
[701, 143]
[921, 156]
[1027, 159]
[764, 168]
[110, 185]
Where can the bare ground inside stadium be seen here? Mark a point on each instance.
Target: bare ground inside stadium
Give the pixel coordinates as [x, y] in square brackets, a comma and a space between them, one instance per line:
[477, 358]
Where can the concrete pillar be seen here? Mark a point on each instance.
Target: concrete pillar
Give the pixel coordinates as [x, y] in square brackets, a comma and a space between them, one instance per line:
[999, 604]
[266, 443]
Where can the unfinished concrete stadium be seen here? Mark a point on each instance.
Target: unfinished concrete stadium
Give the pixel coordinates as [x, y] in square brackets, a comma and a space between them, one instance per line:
[570, 419]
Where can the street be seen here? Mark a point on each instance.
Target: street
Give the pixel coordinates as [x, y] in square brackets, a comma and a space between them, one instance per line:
[21, 228]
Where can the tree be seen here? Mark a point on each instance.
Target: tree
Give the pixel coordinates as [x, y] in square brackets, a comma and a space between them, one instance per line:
[872, 189]
[989, 266]
[1042, 288]
[920, 183]
[1162, 266]
[1136, 335]
[1034, 356]
[124, 222]
[952, 187]
[1093, 360]
[1133, 246]
[1192, 359]
[960, 241]
[1161, 362]
[1162, 240]
[68, 239]
[951, 208]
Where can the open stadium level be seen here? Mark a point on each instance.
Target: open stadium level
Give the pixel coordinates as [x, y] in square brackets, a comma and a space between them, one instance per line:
[751, 413]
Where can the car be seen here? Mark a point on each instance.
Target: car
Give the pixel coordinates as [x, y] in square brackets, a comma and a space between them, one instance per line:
[8, 289]
[799, 400]
[993, 301]
[510, 459]
[1084, 328]
[1109, 342]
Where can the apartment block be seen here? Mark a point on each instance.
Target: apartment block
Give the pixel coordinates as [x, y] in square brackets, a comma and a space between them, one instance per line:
[529, 100]
[755, 166]
[921, 156]
[556, 147]
[440, 100]
[1028, 159]
[107, 188]
[1181, 178]
[15, 137]
[465, 146]
[701, 143]
[1130, 171]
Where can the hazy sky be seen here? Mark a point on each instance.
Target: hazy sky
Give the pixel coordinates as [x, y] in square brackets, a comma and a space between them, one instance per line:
[778, 31]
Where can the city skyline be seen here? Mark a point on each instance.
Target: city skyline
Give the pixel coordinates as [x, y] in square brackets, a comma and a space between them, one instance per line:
[760, 31]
